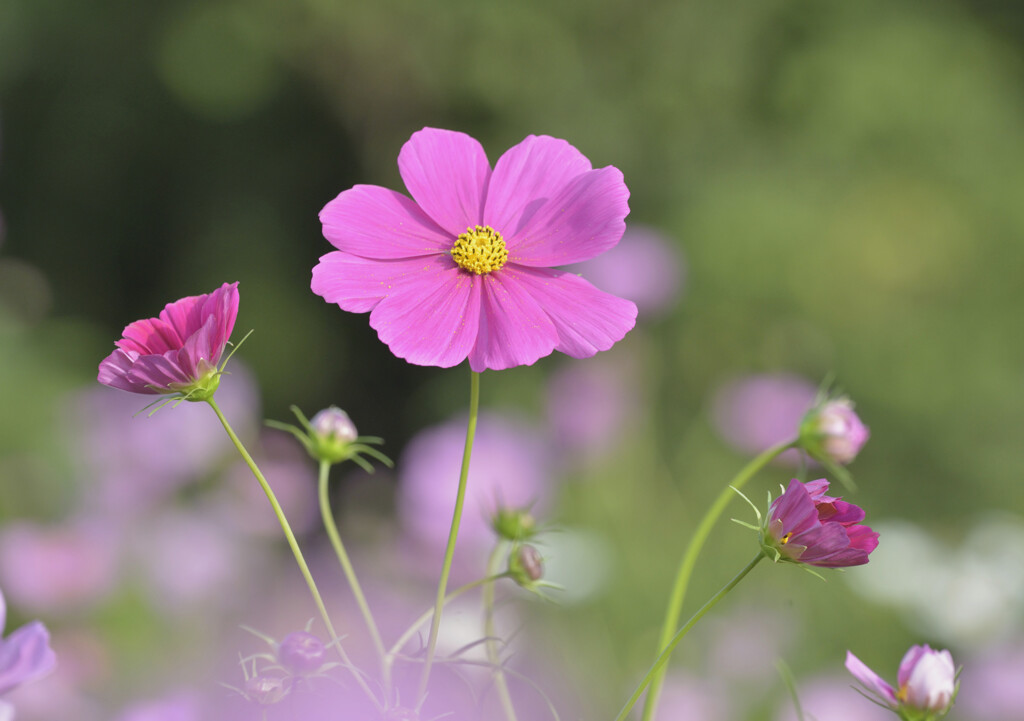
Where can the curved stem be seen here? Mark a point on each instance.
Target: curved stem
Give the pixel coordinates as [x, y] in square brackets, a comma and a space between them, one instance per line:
[500, 684]
[689, 560]
[659, 665]
[389, 657]
[346, 566]
[453, 534]
[296, 551]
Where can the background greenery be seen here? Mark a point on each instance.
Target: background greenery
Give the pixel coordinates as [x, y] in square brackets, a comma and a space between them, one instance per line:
[843, 179]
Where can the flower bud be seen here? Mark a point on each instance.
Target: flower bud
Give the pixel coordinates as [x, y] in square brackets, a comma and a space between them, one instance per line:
[301, 653]
[331, 434]
[526, 566]
[833, 432]
[926, 683]
[265, 690]
[514, 524]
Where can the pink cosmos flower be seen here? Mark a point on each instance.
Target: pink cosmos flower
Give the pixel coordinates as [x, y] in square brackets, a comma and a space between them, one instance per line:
[926, 678]
[467, 268]
[178, 352]
[25, 655]
[806, 526]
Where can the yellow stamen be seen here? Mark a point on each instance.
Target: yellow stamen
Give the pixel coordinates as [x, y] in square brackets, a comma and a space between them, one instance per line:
[785, 539]
[480, 250]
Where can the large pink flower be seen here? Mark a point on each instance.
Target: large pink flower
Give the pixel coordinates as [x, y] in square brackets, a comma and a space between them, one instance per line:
[467, 268]
[806, 526]
[178, 352]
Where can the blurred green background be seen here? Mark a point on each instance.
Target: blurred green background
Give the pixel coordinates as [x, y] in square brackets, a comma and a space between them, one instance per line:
[843, 180]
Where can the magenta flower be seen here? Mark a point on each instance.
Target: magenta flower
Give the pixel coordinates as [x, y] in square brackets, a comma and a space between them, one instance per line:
[926, 678]
[178, 352]
[467, 268]
[25, 655]
[833, 432]
[806, 526]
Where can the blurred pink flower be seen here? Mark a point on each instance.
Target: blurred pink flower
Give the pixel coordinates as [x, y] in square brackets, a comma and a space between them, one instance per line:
[645, 267]
[589, 406]
[686, 696]
[826, 698]
[188, 558]
[136, 460]
[833, 432]
[58, 568]
[992, 683]
[182, 706]
[759, 411]
[178, 352]
[25, 655]
[806, 526]
[510, 466]
[467, 270]
[926, 681]
[293, 478]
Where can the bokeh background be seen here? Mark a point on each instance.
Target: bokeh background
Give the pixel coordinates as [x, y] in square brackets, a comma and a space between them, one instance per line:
[818, 190]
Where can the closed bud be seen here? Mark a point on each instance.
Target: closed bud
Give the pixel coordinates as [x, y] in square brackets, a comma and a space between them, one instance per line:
[526, 566]
[832, 432]
[514, 524]
[265, 690]
[301, 653]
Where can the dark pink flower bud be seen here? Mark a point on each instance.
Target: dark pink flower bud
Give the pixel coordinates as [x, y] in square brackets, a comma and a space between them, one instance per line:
[806, 526]
[301, 653]
[178, 352]
[926, 678]
[833, 432]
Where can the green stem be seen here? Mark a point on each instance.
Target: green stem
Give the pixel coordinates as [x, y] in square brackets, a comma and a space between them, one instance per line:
[346, 566]
[500, 684]
[689, 560]
[656, 670]
[453, 534]
[296, 551]
[392, 653]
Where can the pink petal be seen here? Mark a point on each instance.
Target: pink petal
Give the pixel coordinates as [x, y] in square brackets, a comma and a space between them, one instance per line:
[432, 319]
[359, 284]
[871, 680]
[910, 660]
[375, 222]
[527, 175]
[586, 218]
[514, 329]
[158, 371]
[115, 370]
[862, 538]
[587, 320]
[25, 655]
[149, 336]
[447, 173]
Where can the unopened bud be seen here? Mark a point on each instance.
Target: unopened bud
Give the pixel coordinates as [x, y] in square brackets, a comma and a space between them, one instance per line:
[833, 432]
[265, 690]
[526, 566]
[514, 524]
[301, 653]
[332, 433]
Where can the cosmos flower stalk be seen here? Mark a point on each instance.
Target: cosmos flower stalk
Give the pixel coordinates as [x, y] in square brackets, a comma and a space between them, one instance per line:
[926, 684]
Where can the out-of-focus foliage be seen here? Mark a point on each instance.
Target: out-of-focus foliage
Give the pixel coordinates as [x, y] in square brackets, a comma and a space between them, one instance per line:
[842, 179]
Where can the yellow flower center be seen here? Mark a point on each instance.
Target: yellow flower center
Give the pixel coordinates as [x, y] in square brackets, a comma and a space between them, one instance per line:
[785, 539]
[480, 250]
